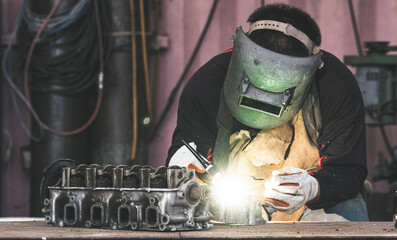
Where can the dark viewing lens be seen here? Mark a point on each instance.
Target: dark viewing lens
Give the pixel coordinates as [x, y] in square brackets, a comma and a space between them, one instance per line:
[261, 106]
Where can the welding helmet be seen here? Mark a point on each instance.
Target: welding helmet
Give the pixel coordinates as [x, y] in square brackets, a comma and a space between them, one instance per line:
[264, 89]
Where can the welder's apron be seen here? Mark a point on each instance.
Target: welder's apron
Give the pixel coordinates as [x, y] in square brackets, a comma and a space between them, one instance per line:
[292, 144]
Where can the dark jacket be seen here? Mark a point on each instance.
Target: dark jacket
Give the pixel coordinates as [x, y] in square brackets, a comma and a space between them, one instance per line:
[340, 134]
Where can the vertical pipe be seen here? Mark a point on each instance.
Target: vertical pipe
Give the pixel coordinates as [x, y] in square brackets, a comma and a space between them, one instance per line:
[112, 131]
[355, 29]
[145, 111]
[1, 106]
[59, 112]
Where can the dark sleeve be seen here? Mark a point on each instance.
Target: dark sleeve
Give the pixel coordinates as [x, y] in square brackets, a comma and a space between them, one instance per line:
[198, 107]
[342, 138]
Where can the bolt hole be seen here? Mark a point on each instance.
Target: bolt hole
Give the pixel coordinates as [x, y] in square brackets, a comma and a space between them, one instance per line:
[162, 227]
[88, 224]
[165, 219]
[134, 226]
[180, 175]
[46, 202]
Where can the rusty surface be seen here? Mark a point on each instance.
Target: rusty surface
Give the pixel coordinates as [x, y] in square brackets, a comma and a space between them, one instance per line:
[290, 230]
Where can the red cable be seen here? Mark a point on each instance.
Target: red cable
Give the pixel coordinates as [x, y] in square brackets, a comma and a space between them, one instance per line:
[35, 40]
[26, 79]
[82, 128]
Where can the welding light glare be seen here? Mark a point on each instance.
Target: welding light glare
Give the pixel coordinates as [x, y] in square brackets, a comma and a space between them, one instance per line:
[231, 191]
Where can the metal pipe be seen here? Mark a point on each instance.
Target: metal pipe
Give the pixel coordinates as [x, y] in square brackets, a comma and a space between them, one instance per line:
[1, 105]
[111, 132]
[59, 112]
[355, 29]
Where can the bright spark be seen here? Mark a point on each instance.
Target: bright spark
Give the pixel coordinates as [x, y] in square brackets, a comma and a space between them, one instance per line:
[231, 191]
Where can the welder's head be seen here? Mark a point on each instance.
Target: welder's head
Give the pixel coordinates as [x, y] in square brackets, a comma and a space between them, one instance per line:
[278, 41]
[272, 66]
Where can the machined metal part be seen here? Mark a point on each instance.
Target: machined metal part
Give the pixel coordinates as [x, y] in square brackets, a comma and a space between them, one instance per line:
[128, 197]
[244, 214]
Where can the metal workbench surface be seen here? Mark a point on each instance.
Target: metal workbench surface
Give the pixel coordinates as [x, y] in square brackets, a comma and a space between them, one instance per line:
[281, 230]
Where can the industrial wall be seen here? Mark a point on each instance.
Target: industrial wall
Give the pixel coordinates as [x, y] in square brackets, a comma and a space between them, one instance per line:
[183, 22]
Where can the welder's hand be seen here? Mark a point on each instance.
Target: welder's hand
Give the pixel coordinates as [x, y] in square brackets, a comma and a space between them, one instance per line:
[184, 158]
[290, 189]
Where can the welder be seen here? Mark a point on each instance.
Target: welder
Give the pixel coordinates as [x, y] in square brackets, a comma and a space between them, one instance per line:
[276, 105]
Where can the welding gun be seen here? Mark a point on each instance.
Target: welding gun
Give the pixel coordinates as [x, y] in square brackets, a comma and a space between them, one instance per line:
[209, 168]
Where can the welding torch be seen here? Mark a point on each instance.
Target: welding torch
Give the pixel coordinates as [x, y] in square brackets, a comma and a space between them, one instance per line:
[209, 168]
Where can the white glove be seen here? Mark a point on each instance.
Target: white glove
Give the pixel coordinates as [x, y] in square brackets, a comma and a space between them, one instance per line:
[290, 189]
[183, 158]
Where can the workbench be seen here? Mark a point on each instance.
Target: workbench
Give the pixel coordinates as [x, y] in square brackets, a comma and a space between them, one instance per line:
[38, 229]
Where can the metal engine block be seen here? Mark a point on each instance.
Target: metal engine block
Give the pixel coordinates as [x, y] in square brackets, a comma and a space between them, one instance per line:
[125, 197]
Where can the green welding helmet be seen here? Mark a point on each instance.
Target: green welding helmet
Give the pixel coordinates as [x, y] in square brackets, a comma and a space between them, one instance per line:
[264, 89]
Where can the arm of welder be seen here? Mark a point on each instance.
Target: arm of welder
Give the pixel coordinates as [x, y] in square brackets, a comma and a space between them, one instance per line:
[197, 112]
[343, 138]
[184, 157]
